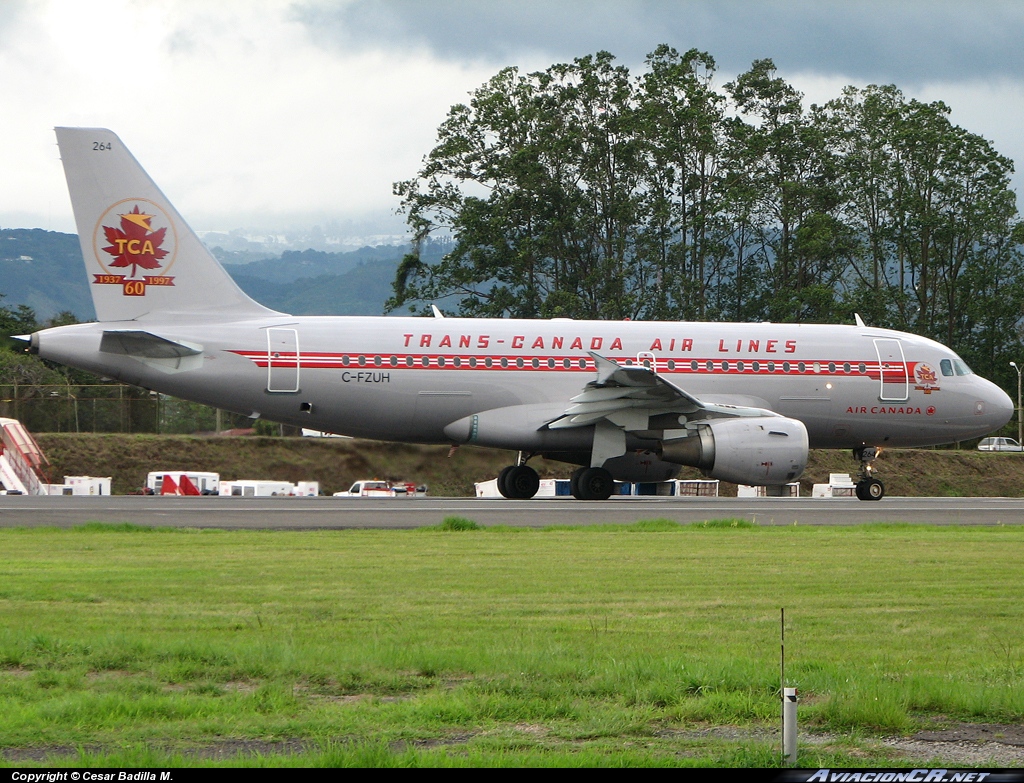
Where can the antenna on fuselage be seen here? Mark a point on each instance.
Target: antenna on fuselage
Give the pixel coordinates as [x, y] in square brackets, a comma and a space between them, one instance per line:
[859, 320]
[437, 313]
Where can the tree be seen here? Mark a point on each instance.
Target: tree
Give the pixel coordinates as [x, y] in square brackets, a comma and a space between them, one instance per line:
[538, 180]
[685, 133]
[20, 320]
[791, 169]
[584, 191]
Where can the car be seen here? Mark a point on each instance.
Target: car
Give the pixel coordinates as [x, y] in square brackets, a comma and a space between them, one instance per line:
[382, 489]
[369, 489]
[999, 444]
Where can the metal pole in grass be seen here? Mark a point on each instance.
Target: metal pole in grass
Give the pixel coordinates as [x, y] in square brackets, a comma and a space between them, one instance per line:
[1020, 424]
[788, 702]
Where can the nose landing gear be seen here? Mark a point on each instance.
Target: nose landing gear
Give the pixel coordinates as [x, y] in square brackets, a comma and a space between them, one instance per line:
[868, 488]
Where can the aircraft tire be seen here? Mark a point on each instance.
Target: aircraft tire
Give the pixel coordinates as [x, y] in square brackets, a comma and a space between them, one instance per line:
[521, 482]
[594, 484]
[574, 482]
[870, 489]
[501, 481]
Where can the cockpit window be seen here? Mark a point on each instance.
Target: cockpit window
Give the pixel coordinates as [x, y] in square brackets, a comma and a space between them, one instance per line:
[961, 368]
[947, 367]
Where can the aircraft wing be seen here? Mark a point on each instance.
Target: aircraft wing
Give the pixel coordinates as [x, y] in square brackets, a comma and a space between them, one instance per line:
[628, 396]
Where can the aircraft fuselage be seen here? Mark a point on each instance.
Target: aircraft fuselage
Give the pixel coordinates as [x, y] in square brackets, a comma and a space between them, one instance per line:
[406, 379]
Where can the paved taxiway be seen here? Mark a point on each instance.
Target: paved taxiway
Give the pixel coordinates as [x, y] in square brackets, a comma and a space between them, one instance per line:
[341, 513]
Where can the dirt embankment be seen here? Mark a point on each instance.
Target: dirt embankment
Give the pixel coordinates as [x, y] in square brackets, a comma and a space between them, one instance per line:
[336, 463]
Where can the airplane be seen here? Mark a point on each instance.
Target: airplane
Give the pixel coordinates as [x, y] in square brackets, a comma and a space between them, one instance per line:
[625, 400]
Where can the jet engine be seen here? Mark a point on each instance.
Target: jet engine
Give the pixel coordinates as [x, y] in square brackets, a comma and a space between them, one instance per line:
[761, 450]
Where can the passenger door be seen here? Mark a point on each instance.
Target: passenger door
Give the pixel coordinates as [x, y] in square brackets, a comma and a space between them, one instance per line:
[892, 367]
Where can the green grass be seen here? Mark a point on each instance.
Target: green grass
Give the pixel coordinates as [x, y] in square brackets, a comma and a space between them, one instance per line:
[597, 646]
[457, 523]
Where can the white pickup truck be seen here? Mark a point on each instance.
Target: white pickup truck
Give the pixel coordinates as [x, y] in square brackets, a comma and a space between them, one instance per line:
[368, 489]
[380, 489]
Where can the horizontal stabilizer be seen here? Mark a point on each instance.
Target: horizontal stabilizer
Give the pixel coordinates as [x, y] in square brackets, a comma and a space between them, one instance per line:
[144, 345]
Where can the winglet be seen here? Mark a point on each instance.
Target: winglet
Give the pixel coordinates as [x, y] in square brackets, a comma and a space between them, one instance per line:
[606, 368]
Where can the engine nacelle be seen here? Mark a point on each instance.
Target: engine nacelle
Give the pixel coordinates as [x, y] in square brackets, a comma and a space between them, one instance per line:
[639, 465]
[760, 451]
[520, 428]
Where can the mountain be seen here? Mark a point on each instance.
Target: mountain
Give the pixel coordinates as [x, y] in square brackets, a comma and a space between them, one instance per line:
[360, 291]
[44, 270]
[294, 264]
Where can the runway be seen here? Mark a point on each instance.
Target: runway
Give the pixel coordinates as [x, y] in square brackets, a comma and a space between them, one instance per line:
[401, 513]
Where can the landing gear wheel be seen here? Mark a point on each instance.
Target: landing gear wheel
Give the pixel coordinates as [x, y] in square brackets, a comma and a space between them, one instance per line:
[870, 489]
[594, 484]
[501, 480]
[574, 482]
[518, 482]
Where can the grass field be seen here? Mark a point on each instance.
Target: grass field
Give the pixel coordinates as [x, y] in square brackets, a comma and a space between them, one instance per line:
[594, 646]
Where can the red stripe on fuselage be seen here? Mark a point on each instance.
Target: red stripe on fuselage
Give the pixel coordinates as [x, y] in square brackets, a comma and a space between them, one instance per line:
[549, 363]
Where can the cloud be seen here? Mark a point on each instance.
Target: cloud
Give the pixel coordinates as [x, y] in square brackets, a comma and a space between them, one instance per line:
[261, 112]
[12, 12]
[228, 105]
[911, 41]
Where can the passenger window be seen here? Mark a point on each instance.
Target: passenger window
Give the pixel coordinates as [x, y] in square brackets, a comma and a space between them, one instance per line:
[947, 367]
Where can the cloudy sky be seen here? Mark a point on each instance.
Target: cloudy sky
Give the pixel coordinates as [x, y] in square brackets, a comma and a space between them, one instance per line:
[266, 114]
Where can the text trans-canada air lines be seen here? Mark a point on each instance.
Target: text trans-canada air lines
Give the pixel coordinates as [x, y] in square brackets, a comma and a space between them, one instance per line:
[625, 400]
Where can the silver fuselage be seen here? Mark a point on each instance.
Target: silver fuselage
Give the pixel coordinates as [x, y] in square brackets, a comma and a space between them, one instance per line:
[405, 379]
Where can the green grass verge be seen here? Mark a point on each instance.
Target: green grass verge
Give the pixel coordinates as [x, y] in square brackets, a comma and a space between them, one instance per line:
[599, 646]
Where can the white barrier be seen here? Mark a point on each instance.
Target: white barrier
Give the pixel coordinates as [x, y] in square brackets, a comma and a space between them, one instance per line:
[791, 490]
[840, 485]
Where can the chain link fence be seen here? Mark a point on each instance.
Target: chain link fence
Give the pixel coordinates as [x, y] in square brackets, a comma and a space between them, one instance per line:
[109, 408]
[91, 408]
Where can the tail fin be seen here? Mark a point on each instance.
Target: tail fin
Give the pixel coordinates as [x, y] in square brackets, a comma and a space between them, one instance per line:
[141, 257]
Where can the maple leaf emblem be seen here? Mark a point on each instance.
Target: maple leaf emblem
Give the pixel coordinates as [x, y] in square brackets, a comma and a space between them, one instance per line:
[926, 374]
[135, 244]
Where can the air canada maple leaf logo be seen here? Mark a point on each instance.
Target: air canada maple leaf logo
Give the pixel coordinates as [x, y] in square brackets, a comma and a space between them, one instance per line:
[135, 244]
[925, 374]
[927, 380]
[135, 238]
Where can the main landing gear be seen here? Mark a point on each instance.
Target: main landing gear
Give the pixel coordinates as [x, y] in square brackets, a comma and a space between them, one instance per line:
[518, 482]
[592, 484]
[521, 482]
[868, 488]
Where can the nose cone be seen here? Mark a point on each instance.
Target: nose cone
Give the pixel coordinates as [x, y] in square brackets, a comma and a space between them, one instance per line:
[999, 405]
[992, 408]
[460, 431]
